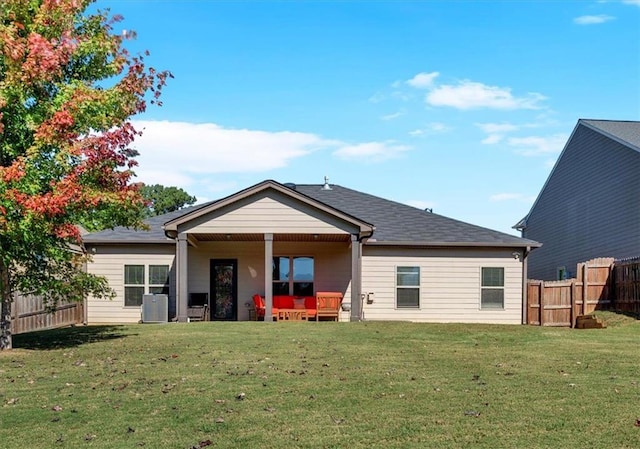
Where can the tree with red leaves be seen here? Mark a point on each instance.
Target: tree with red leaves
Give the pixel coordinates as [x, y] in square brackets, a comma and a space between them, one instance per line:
[68, 89]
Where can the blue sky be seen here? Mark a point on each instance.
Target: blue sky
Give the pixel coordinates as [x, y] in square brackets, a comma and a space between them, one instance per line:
[460, 106]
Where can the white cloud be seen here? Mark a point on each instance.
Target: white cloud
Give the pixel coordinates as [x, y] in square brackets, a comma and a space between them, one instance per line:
[431, 128]
[495, 131]
[392, 116]
[509, 197]
[176, 153]
[537, 145]
[438, 127]
[371, 151]
[631, 2]
[420, 204]
[593, 20]
[492, 139]
[423, 80]
[494, 128]
[472, 95]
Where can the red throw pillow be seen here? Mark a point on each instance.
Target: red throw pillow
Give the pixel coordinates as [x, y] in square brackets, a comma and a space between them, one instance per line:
[298, 303]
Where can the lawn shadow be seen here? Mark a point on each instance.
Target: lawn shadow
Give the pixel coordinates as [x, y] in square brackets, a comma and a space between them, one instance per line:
[68, 337]
[634, 315]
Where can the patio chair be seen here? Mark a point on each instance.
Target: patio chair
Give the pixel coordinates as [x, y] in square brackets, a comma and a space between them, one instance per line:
[328, 305]
[198, 313]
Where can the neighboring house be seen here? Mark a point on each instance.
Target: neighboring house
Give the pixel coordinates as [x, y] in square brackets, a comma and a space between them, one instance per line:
[389, 260]
[590, 205]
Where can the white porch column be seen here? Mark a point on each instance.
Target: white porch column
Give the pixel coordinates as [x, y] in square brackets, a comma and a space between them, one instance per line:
[356, 279]
[268, 277]
[182, 289]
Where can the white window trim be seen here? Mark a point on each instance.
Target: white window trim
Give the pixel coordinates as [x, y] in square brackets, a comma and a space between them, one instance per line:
[396, 287]
[490, 309]
[146, 285]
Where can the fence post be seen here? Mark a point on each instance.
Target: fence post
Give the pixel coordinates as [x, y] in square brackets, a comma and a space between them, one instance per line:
[585, 272]
[541, 303]
[612, 286]
[572, 313]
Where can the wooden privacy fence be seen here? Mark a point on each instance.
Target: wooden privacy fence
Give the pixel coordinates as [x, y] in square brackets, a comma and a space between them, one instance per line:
[626, 279]
[602, 284]
[29, 313]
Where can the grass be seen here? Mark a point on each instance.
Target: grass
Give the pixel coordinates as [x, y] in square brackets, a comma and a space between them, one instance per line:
[325, 385]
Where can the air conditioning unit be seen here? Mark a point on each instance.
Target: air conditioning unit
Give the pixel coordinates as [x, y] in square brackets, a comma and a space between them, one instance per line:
[155, 308]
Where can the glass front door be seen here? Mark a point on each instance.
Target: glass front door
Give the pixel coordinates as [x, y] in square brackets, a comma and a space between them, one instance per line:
[224, 289]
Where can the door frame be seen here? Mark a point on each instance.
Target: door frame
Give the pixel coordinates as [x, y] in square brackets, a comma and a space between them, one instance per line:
[212, 290]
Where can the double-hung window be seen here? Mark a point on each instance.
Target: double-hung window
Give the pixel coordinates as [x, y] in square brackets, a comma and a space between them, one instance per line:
[159, 279]
[141, 279]
[293, 275]
[408, 287]
[492, 289]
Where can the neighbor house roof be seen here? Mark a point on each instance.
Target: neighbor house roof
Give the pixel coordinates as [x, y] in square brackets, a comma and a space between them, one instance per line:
[625, 132]
[395, 223]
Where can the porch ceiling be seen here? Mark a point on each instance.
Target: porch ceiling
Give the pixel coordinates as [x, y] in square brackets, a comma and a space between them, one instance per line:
[276, 237]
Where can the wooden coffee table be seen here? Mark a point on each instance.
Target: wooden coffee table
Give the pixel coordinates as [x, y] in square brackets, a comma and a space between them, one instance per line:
[292, 315]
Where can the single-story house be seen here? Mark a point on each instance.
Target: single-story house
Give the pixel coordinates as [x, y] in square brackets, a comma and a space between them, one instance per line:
[390, 261]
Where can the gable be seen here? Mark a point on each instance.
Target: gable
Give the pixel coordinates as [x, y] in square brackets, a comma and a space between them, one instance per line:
[268, 211]
[591, 157]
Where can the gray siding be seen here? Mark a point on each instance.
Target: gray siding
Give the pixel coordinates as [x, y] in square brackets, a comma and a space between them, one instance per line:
[590, 206]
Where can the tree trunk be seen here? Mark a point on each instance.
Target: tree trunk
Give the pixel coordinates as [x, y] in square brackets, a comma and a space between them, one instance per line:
[5, 317]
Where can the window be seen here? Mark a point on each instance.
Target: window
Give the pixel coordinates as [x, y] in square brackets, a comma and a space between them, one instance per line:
[407, 287]
[159, 279]
[133, 285]
[293, 275]
[136, 284]
[492, 291]
[562, 274]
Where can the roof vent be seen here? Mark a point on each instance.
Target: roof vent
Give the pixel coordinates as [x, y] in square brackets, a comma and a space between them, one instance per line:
[326, 185]
[290, 185]
[428, 210]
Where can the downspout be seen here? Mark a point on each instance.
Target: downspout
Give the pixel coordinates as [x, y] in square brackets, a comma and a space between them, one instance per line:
[361, 295]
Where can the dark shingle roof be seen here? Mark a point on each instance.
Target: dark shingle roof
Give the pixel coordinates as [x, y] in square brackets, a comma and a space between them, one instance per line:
[626, 131]
[155, 233]
[397, 222]
[393, 221]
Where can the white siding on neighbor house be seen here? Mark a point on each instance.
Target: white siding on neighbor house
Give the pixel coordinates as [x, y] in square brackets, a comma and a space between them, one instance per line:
[332, 266]
[267, 213]
[449, 284]
[109, 261]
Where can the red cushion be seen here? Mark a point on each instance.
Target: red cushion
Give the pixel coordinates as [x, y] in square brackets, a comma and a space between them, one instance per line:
[258, 301]
[283, 301]
[310, 302]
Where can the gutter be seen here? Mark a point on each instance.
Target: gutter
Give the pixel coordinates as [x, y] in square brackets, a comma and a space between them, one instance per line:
[528, 245]
[127, 241]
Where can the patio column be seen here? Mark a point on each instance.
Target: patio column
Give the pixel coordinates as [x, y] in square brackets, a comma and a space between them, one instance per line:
[268, 277]
[182, 289]
[356, 278]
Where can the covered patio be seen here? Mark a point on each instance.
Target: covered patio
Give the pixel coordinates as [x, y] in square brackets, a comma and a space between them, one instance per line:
[268, 240]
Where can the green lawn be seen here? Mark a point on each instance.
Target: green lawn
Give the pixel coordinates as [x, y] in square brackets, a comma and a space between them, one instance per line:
[322, 385]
